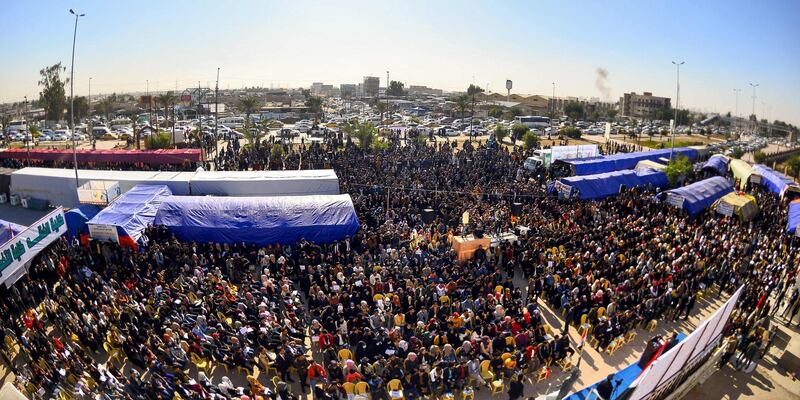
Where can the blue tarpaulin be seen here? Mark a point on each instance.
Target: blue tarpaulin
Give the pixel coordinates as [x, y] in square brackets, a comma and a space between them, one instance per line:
[259, 220]
[77, 218]
[775, 181]
[593, 187]
[717, 163]
[794, 217]
[9, 229]
[620, 161]
[132, 212]
[700, 195]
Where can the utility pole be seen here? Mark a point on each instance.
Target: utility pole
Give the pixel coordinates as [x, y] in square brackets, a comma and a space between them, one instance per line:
[677, 103]
[553, 111]
[72, 98]
[149, 104]
[216, 116]
[736, 91]
[89, 117]
[754, 86]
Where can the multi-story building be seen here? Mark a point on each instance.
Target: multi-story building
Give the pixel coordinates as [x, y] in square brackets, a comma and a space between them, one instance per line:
[419, 90]
[348, 90]
[371, 86]
[556, 105]
[316, 88]
[642, 105]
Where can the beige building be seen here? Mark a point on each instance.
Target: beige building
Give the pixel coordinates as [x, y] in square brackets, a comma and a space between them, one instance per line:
[642, 105]
[371, 86]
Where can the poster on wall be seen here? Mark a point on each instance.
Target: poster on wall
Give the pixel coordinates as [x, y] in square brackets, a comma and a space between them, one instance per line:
[103, 233]
[22, 248]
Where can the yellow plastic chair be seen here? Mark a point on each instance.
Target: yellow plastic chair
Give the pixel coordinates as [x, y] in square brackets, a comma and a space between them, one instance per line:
[345, 354]
[362, 388]
[651, 326]
[543, 374]
[468, 394]
[505, 356]
[486, 372]
[395, 389]
[510, 341]
[200, 363]
[496, 386]
[584, 317]
[630, 336]
[350, 389]
[601, 312]
[565, 364]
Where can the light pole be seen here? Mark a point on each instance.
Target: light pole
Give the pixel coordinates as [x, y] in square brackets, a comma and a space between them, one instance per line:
[553, 111]
[736, 91]
[89, 116]
[754, 86]
[216, 118]
[72, 98]
[677, 102]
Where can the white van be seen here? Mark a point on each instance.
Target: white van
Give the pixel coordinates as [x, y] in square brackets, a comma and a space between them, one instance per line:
[16, 127]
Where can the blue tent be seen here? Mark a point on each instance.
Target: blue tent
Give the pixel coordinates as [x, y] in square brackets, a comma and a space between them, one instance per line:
[700, 195]
[620, 161]
[77, 217]
[132, 212]
[594, 187]
[9, 229]
[794, 217]
[717, 163]
[775, 181]
[259, 220]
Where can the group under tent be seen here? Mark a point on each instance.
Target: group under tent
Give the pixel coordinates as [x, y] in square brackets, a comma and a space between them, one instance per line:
[698, 196]
[741, 204]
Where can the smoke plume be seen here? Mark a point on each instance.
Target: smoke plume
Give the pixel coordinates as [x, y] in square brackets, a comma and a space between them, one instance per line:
[600, 83]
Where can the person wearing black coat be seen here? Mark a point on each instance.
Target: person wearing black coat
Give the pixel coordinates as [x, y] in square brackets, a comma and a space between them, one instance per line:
[515, 388]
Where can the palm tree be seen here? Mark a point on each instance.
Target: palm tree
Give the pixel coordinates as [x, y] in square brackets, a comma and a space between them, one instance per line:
[134, 117]
[248, 104]
[382, 108]
[105, 106]
[462, 104]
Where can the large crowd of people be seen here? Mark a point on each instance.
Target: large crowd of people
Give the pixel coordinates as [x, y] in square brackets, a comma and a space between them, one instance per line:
[392, 308]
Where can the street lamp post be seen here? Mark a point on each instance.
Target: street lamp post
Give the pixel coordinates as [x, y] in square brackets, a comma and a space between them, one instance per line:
[72, 97]
[89, 117]
[553, 111]
[754, 86]
[677, 102]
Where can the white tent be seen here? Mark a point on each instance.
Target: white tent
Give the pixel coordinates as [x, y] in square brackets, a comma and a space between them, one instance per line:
[265, 183]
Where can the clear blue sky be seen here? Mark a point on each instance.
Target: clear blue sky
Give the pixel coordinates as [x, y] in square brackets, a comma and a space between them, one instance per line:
[725, 44]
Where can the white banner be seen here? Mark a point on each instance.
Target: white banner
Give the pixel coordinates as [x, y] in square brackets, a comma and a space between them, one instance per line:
[15, 253]
[572, 152]
[103, 233]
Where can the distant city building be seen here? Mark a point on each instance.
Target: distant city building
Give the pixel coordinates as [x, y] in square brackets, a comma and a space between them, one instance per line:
[371, 86]
[348, 90]
[642, 105]
[419, 90]
[316, 88]
[590, 105]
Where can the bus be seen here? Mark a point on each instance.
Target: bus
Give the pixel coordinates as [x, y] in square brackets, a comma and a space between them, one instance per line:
[533, 121]
[232, 122]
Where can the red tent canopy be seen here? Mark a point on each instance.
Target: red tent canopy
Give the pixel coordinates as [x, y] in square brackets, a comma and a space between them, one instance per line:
[167, 156]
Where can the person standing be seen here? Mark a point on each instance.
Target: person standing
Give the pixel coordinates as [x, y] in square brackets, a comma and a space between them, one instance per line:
[728, 348]
[747, 356]
[515, 388]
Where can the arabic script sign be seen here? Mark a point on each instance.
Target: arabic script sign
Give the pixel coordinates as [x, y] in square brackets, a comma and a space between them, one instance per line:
[15, 253]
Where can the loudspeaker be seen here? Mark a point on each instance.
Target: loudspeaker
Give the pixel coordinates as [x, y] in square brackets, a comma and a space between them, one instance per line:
[428, 215]
[516, 209]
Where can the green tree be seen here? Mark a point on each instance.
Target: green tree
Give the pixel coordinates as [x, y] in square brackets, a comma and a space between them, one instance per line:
[678, 169]
[306, 93]
[81, 108]
[496, 111]
[611, 114]
[314, 104]
[512, 113]
[519, 131]
[530, 140]
[574, 110]
[500, 133]
[248, 105]
[160, 140]
[571, 132]
[684, 117]
[759, 156]
[472, 91]
[462, 104]
[794, 166]
[395, 89]
[105, 106]
[737, 152]
[364, 132]
[53, 97]
[167, 99]
[382, 107]
[134, 117]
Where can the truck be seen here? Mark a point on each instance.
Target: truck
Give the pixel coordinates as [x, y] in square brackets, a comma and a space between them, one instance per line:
[546, 157]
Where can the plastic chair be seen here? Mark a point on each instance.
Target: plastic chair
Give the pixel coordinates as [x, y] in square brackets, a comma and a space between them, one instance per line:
[505, 356]
[345, 354]
[510, 341]
[200, 363]
[395, 389]
[275, 381]
[468, 394]
[630, 336]
[583, 318]
[601, 312]
[543, 374]
[496, 385]
[565, 364]
[651, 326]
[486, 372]
[350, 389]
[362, 388]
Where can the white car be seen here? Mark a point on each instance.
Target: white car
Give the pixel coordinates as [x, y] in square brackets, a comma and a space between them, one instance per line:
[61, 134]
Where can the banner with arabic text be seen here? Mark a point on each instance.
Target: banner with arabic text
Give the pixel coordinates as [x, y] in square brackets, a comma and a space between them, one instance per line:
[15, 253]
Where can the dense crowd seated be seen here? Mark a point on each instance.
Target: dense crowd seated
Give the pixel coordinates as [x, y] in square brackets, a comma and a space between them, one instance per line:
[391, 309]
